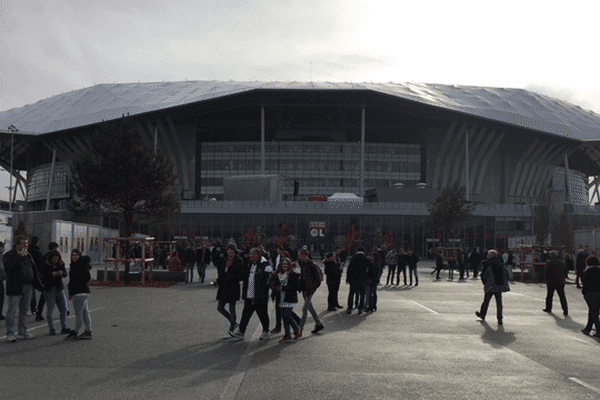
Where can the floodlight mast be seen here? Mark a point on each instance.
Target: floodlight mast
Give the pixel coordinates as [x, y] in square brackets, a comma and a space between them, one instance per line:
[12, 130]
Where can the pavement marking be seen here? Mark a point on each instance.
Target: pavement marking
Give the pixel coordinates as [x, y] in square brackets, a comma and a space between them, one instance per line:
[232, 386]
[524, 295]
[55, 321]
[592, 388]
[428, 309]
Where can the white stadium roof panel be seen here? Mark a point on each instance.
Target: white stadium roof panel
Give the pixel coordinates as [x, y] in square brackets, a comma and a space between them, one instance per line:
[110, 101]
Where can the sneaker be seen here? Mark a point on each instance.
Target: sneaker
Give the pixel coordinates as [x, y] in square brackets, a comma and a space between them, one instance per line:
[52, 332]
[349, 311]
[265, 335]
[585, 332]
[318, 328]
[297, 334]
[227, 336]
[285, 339]
[25, 336]
[360, 312]
[65, 331]
[479, 315]
[546, 310]
[39, 317]
[499, 322]
[11, 338]
[238, 335]
[72, 336]
[275, 330]
[84, 335]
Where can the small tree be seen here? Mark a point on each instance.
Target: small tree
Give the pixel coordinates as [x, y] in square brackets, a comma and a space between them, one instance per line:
[449, 209]
[124, 176]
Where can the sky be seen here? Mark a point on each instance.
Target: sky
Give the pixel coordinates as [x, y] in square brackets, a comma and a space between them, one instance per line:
[50, 47]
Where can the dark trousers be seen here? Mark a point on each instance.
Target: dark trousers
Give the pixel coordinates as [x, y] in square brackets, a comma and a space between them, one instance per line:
[391, 273]
[332, 297]
[229, 316]
[593, 302]
[1, 297]
[475, 268]
[357, 289]
[261, 310]
[486, 303]
[401, 268]
[202, 271]
[461, 271]
[560, 289]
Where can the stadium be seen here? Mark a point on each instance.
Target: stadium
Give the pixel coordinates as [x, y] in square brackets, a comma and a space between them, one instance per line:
[255, 155]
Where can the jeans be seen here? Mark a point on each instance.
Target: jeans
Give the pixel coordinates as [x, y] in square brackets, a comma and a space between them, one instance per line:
[593, 301]
[54, 297]
[560, 289]
[306, 307]
[202, 271]
[401, 268]
[412, 271]
[287, 313]
[21, 303]
[82, 315]
[229, 316]
[189, 272]
[371, 297]
[486, 303]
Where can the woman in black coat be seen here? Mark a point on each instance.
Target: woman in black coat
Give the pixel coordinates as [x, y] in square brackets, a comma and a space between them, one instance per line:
[229, 287]
[79, 293]
[53, 271]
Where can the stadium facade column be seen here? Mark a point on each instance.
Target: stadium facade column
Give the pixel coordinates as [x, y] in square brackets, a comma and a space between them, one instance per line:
[50, 179]
[262, 140]
[467, 163]
[362, 155]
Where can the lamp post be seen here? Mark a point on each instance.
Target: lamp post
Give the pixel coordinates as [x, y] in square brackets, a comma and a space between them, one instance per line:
[12, 130]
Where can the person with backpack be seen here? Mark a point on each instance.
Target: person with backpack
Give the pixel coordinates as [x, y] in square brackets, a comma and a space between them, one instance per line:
[310, 280]
[391, 259]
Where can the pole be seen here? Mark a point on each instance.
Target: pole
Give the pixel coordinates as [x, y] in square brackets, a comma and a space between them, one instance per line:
[50, 179]
[155, 138]
[362, 154]
[10, 187]
[262, 140]
[467, 185]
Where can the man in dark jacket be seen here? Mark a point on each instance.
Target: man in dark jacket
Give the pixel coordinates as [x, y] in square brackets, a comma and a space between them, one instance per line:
[356, 277]
[202, 260]
[189, 259]
[333, 271]
[580, 266]
[555, 276]
[255, 293]
[310, 280]
[22, 277]
[495, 280]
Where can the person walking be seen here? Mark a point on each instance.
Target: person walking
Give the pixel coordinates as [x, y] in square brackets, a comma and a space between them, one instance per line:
[189, 259]
[310, 280]
[580, 263]
[36, 254]
[401, 266]
[373, 276]
[53, 271]
[555, 275]
[356, 277]
[22, 277]
[495, 280]
[439, 264]
[591, 294]
[391, 259]
[255, 293]
[287, 284]
[228, 292]
[79, 293]
[202, 260]
[333, 272]
[413, 259]
[475, 260]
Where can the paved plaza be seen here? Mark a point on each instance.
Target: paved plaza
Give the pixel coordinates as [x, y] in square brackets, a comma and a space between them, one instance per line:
[424, 342]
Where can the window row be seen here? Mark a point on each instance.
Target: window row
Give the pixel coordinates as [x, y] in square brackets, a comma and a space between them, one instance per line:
[310, 147]
[296, 165]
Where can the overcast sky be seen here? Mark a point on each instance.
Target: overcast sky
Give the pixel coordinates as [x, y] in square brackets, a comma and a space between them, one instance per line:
[49, 47]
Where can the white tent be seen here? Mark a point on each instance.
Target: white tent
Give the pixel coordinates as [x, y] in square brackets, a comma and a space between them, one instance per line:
[349, 197]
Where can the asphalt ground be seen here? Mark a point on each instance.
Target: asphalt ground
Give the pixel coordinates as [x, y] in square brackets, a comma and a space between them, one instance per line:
[424, 342]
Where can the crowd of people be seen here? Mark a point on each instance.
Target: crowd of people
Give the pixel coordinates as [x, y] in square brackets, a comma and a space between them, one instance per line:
[256, 276]
[26, 271]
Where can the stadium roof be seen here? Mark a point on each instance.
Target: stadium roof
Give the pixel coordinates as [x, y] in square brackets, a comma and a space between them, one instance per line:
[91, 105]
